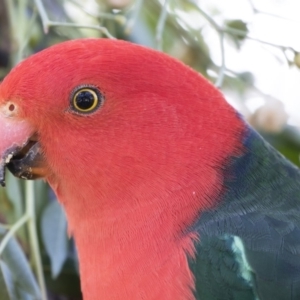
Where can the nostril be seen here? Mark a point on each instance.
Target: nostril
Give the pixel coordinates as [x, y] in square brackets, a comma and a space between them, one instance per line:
[11, 107]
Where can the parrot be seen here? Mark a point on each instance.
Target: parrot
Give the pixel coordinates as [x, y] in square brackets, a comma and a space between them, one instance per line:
[169, 193]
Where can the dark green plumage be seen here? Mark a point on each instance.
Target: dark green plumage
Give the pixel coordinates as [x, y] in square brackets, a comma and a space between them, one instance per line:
[250, 243]
[217, 271]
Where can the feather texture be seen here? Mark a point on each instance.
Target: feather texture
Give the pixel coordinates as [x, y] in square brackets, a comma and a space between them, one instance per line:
[168, 193]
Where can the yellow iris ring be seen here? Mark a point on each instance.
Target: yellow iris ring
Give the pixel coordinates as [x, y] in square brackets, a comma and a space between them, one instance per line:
[95, 96]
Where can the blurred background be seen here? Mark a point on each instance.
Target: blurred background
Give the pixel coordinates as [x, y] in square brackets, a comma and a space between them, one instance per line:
[249, 49]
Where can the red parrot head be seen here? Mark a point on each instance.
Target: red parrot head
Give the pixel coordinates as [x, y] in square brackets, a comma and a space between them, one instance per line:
[124, 135]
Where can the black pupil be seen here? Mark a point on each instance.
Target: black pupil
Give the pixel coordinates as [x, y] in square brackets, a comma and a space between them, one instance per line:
[85, 100]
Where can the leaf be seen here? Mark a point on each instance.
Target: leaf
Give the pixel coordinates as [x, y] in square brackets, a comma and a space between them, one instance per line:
[238, 25]
[241, 28]
[4, 295]
[297, 59]
[41, 190]
[14, 193]
[54, 235]
[18, 275]
[10, 289]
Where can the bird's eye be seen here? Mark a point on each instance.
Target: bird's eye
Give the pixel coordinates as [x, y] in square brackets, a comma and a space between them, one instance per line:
[86, 99]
